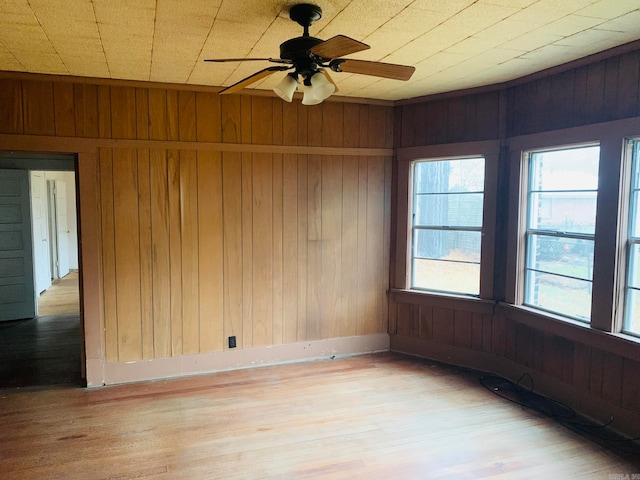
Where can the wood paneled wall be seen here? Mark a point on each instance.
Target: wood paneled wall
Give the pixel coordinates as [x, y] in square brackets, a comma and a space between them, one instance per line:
[602, 91]
[590, 365]
[469, 118]
[586, 370]
[199, 243]
[199, 246]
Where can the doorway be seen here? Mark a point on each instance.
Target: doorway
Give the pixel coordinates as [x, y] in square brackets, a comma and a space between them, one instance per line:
[47, 349]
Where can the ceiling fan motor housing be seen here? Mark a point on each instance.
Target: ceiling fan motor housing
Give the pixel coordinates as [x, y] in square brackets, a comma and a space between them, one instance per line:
[297, 49]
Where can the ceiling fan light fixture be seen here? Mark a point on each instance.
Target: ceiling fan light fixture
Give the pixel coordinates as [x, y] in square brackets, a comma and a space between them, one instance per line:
[318, 89]
[287, 86]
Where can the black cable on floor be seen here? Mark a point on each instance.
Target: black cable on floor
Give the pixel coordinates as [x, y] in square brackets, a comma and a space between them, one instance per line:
[516, 393]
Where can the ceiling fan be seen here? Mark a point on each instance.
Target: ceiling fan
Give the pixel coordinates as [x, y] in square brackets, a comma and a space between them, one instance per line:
[310, 58]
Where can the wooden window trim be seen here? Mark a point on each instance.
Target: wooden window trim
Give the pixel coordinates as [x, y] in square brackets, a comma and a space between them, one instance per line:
[490, 150]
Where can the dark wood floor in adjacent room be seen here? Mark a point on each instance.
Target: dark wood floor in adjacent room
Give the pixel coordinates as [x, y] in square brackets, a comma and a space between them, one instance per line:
[44, 350]
[381, 416]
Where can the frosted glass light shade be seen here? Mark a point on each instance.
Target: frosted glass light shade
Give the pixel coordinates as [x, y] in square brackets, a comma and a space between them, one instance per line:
[319, 89]
[286, 88]
[322, 87]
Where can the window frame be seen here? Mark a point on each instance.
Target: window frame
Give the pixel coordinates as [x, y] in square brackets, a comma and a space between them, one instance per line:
[415, 228]
[405, 157]
[630, 164]
[609, 267]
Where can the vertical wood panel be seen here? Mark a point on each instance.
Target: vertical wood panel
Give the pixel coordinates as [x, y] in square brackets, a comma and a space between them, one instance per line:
[123, 112]
[612, 378]
[314, 248]
[146, 253]
[262, 189]
[127, 258]
[332, 306]
[104, 111]
[38, 108]
[630, 384]
[232, 255]
[595, 92]
[173, 116]
[597, 372]
[63, 101]
[108, 255]
[582, 367]
[157, 114]
[190, 259]
[247, 250]
[498, 335]
[261, 131]
[278, 253]
[290, 283]
[349, 253]
[425, 316]
[86, 109]
[186, 116]
[363, 237]
[175, 250]
[375, 246]
[628, 85]
[208, 117]
[210, 251]
[142, 113]
[230, 112]
[610, 96]
[11, 117]
[443, 325]
[405, 321]
[303, 189]
[160, 253]
[463, 328]
[580, 96]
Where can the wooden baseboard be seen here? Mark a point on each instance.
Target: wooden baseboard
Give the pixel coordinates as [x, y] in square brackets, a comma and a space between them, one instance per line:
[626, 422]
[126, 372]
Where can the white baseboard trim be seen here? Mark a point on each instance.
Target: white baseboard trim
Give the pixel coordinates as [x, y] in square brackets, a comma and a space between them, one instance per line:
[127, 372]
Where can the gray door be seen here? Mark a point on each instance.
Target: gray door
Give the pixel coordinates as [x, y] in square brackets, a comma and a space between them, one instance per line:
[17, 298]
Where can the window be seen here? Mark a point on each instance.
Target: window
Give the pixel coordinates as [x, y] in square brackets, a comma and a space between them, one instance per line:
[560, 227]
[448, 198]
[632, 294]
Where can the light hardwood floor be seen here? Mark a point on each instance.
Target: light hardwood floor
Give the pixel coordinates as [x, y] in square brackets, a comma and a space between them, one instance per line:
[61, 298]
[382, 416]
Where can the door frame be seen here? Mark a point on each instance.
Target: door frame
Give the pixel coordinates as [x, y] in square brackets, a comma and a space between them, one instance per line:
[23, 157]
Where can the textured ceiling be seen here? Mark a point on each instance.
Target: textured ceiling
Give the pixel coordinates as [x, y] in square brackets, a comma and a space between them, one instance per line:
[453, 44]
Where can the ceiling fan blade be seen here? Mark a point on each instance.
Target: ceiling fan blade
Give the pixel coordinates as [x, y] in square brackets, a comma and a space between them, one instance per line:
[274, 60]
[326, 74]
[377, 69]
[338, 46]
[245, 82]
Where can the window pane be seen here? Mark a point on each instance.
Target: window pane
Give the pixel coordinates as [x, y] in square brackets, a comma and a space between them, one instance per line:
[447, 225]
[632, 308]
[562, 295]
[452, 210]
[450, 245]
[445, 176]
[567, 169]
[562, 196]
[632, 314]
[573, 212]
[560, 255]
[446, 276]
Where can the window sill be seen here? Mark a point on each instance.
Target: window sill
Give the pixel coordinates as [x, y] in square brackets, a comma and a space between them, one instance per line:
[443, 300]
[621, 344]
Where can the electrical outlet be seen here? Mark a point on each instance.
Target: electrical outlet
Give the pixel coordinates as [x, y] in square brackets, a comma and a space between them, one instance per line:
[232, 341]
